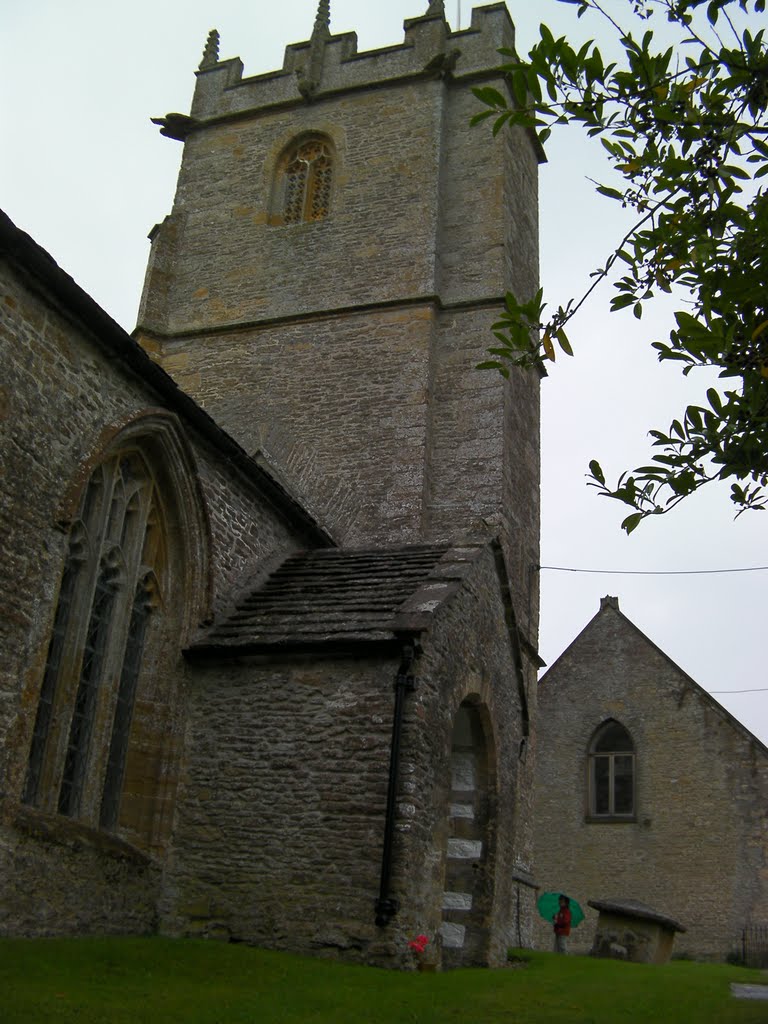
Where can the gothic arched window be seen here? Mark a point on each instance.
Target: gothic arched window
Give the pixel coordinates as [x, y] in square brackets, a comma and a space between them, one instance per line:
[307, 175]
[109, 592]
[611, 772]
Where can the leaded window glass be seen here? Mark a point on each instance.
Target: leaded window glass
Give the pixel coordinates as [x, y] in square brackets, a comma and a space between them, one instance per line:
[612, 772]
[81, 723]
[109, 591]
[308, 178]
[52, 668]
[143, 604]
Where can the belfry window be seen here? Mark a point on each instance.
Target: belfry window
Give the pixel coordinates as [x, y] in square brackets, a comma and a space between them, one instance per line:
[109, 592]
[612, 772]
[307, 178]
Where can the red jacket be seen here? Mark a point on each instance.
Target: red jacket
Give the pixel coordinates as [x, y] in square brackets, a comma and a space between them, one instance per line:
[563, 921]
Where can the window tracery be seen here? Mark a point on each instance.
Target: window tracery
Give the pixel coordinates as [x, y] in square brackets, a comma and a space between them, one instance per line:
[307, 182]
[110, 589]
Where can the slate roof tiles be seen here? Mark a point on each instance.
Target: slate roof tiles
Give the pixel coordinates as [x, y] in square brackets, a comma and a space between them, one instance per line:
[341, 596]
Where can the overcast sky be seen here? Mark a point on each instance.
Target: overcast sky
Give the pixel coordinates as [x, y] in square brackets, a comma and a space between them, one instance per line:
[87, 175]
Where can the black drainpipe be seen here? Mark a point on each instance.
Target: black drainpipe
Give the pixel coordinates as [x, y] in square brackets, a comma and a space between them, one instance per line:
[386, 905]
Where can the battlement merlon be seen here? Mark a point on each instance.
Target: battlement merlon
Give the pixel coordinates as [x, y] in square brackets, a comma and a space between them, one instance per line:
[430, 47]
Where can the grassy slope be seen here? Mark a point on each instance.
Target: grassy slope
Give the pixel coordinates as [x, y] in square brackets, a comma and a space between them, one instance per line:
[158, 981]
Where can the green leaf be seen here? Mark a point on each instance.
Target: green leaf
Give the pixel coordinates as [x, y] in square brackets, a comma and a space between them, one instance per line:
[490, 96]
[611, 193]
[565, 344]
[546, 36]
[500, 121]
[520, 87]
[632, 522]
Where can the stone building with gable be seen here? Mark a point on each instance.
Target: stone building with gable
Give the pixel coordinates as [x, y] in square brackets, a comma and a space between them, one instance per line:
[269, 614]
[648, 790]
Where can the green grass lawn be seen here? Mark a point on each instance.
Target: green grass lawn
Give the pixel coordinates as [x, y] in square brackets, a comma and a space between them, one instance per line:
[159, 981]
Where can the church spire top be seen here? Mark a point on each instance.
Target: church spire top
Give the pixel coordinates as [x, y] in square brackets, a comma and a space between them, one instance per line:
[436, 7]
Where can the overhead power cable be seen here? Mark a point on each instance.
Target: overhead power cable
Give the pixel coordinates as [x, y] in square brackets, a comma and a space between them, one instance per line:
[756, 689]
[653, 572]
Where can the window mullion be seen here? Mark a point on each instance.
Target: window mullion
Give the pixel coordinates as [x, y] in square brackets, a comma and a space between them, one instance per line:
[73, 645]
[126, 526]
[124, 703]
[98, 515]
[309, 190]
[98, 634]
[49, 690]
[118, 701]
[92, 671]
[611, 784]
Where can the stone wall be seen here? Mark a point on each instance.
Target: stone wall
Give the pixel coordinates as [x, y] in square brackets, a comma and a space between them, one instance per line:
[232, 266]
[281, 813]
[469, 660]
[337, 403]
[697, 848]
[61, 878]
[66, 396]
[279, 826]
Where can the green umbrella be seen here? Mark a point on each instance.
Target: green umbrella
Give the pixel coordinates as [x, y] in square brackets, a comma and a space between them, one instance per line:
[548, 905]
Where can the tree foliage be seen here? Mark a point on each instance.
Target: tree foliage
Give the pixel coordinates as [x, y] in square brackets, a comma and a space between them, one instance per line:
[684, 131]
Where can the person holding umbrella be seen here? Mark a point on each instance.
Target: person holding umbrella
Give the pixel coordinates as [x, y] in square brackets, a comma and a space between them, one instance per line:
[562, 923]
[563, 912]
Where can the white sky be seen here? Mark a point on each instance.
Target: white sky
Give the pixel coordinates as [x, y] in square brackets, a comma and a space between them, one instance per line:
[87, 175]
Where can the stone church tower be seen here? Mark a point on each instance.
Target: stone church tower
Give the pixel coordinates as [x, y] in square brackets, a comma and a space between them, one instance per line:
[340, 243]
[269, 665]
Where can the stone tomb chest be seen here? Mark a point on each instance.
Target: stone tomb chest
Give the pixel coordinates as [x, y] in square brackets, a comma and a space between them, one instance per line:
[630, 930]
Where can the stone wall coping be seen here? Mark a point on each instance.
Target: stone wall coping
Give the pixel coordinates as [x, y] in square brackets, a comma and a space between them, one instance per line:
[63, 831]
[634, 908]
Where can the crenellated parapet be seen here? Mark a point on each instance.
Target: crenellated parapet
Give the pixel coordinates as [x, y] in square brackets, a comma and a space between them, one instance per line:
[328, 63]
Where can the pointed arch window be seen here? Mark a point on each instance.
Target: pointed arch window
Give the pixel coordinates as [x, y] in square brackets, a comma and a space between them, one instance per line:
[612, 773]
[307, 178]
[109, 591]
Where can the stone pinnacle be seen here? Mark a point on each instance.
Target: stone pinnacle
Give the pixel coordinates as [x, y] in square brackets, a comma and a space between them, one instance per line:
[211, 51]
[323, 20]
